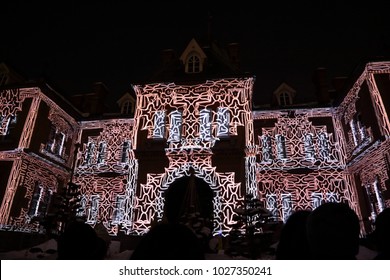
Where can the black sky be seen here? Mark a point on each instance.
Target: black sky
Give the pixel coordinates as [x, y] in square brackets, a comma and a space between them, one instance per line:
[74, 44]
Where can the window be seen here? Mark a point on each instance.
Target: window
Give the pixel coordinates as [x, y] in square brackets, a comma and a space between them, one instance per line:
[359, 132]
[323, 145]
[119, 211]
[83, 206]
[271, 205]
[159, 125]
[378, 195]
[125, 151]
[127, 108]
[175, 126]
[285, 98]
[316, 199]
[370, 200]
[89, 153]
[286, 206]
[266, 143]
[309, 146]
[7, 124]
[193, 64]
[205, 124]
[55, 142]
[93, 211]
[223, 120]
[281, 146]
[101, 153]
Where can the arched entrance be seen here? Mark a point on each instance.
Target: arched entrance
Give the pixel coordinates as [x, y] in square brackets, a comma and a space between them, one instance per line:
[187, 195]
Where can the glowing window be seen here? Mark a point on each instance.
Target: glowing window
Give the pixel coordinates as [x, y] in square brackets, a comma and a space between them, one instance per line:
[378, 195]
[286, 205]
[193, 64]
[35, 200]
[159, 125]
[223, 120]
[83, 206]
[55, 142]
[281, 146]
[309, 146]
[101, 153]
[359, 131]
[371, 201]
[205, 124]
[323, 145]
[175, 126]
[266, 144]
[6, 124]
[94, 210]
[89, 153]
[125, 151]
[271, 205]
[119, 211]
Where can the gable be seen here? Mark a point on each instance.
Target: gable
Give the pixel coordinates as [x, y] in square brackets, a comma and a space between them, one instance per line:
[193, 47]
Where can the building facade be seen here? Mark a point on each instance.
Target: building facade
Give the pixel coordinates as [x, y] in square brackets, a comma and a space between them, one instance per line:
[134, 168]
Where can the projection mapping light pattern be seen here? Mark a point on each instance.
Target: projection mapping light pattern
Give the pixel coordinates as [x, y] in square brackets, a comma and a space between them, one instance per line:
[294, 159]
[191, 119]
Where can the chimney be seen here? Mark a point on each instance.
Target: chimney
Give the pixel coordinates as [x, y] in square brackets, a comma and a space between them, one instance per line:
[320, 80]
[167, 56]
[338, 83]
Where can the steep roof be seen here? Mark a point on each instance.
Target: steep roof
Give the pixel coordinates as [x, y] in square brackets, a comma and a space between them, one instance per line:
[218, 62]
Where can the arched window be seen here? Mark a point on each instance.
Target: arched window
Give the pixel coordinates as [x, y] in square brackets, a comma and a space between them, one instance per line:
[193, 64]
[175, 126]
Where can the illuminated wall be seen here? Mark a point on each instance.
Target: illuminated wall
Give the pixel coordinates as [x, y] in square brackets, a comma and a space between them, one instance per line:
[37, 142]
[182, 125]
[301, 160]
[289, 158]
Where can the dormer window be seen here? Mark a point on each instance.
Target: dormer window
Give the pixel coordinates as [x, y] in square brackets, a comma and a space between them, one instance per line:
[284, 95]
[285, 98]
[127, 108]
[193, 58]
[193, 64]
[127, 104]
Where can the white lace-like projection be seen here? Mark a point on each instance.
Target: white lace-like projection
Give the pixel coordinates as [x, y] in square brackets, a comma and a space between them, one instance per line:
[294, 159]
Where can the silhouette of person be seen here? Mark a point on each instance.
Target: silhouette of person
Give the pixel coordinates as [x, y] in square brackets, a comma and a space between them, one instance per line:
[169, 241]
[333, 232]
[381, 235]
[293, 244]
[79, 241]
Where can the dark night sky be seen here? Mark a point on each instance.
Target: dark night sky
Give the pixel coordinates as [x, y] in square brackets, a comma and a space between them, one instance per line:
[73, 45]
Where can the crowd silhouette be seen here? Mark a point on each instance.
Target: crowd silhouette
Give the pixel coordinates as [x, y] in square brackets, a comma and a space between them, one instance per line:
[293, 244]
[329, 232]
